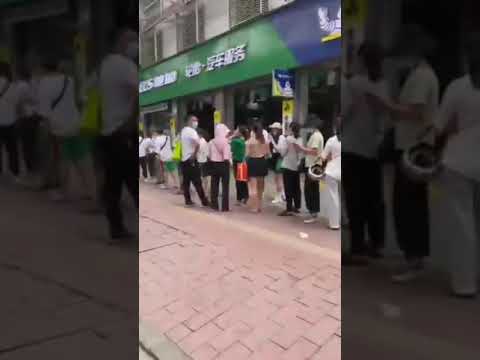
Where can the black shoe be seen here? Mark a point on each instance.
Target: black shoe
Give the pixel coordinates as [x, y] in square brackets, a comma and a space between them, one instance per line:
[189, 203]
[354, 260]
[469, 296]
[296, 211]
[119, 237]
[285, 213]
[375, 254]
[206, 203]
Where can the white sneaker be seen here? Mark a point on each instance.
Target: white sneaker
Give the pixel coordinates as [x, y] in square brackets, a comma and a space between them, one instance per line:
[163, 187]
[406, 276]
[311, 220]
[277, 200]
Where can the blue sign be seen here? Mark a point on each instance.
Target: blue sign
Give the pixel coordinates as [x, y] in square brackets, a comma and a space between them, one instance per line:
[311, 29]
[283, 83]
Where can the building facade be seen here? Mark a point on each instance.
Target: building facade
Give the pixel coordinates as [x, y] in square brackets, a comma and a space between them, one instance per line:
[273, 60]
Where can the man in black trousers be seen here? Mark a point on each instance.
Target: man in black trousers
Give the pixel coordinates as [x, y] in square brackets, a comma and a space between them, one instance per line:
[119, 141]
[190, 167]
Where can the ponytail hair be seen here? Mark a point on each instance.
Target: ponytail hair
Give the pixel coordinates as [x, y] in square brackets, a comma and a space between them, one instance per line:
[372, 57]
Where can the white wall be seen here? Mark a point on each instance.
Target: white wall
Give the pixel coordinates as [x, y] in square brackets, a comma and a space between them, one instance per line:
[216, 18]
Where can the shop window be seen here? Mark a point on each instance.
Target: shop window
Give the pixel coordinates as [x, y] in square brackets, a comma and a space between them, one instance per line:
[148, 48]
[256, 102]
[204, 110]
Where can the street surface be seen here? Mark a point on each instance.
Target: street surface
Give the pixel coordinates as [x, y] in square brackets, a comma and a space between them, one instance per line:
[237, 285]
[65, 293]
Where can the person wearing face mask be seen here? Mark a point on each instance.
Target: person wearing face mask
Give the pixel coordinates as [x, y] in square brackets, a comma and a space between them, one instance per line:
[458, 128]
[276, 139]
[190, 167]
[10, 100]
[412, 113]
[118, 79]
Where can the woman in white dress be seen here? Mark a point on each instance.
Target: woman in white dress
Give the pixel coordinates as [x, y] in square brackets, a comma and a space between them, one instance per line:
[458, 123]
[331, 155]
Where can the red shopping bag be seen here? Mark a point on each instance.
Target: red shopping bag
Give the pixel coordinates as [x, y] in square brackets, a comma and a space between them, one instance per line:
[242, 172]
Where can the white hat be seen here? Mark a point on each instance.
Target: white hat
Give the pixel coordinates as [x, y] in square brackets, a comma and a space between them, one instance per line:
[276, 125]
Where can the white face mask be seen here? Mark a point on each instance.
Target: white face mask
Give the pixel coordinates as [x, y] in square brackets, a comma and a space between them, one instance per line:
[132, 50]
[195, 124]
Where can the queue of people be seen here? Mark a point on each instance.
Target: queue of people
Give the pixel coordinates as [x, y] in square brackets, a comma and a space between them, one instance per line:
[53, 136]
[408, 130]
[248, 155]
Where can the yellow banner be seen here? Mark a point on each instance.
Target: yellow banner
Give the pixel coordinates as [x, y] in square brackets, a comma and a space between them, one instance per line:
[5, 55]
[217, 117]
[288, 108]
[173, 127]
[354, 12]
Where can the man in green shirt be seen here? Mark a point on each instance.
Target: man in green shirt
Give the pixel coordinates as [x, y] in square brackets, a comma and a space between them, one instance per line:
[239, 149]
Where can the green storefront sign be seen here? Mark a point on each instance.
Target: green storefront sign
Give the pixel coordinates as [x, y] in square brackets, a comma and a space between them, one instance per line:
[247, 53]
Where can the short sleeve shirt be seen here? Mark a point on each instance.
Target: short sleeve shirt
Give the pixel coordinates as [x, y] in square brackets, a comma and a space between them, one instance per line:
[190, 140]
[64, 118]
[118, 87]
[462, 102]
[421, 88]
[316, 141]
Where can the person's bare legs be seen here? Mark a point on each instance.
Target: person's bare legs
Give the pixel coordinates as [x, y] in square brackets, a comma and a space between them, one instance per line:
[252, 189]
[260, 191]
[279, 185]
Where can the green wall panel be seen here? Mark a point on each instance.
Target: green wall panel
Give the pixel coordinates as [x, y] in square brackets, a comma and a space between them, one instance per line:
[265, 51]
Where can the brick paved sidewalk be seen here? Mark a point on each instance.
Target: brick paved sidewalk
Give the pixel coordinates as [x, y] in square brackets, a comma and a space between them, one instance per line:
[220, 293]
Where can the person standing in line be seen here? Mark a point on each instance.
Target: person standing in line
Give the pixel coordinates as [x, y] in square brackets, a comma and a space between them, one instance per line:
[276, 139]
[169, 166]
[202, 158]
[258, 150]
[163, 152]
[119, 91]
[363, 130]
[458, 125]
[291, 151]
[57, 104]
[312, 190]
[28, 123]
[331, 156]
[144, 143]
[190, 168]
[413, 113]
[220, 160]
[238, 148]
[10, 100]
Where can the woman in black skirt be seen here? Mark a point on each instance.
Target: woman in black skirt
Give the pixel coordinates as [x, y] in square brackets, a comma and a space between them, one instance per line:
[257, 152]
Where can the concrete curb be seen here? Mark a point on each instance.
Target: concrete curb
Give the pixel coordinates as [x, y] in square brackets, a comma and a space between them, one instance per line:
[158, 347]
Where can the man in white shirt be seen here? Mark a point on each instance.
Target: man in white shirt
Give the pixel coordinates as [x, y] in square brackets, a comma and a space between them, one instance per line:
[190, 167]
[118, 78]
[10, 99]
[312, 189]
[414, 112]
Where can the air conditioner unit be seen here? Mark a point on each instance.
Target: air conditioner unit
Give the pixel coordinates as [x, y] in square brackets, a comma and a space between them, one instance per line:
[274, 4]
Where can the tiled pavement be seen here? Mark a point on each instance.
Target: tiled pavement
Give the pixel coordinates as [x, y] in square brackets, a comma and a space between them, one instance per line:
[228, 288]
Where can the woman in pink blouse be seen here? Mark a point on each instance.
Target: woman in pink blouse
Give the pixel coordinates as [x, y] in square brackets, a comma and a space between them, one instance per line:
[220, 158]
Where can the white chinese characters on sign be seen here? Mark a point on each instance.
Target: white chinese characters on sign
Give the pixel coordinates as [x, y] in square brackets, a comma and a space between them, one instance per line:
[193, 69]
[158, 82]
[228, 57]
